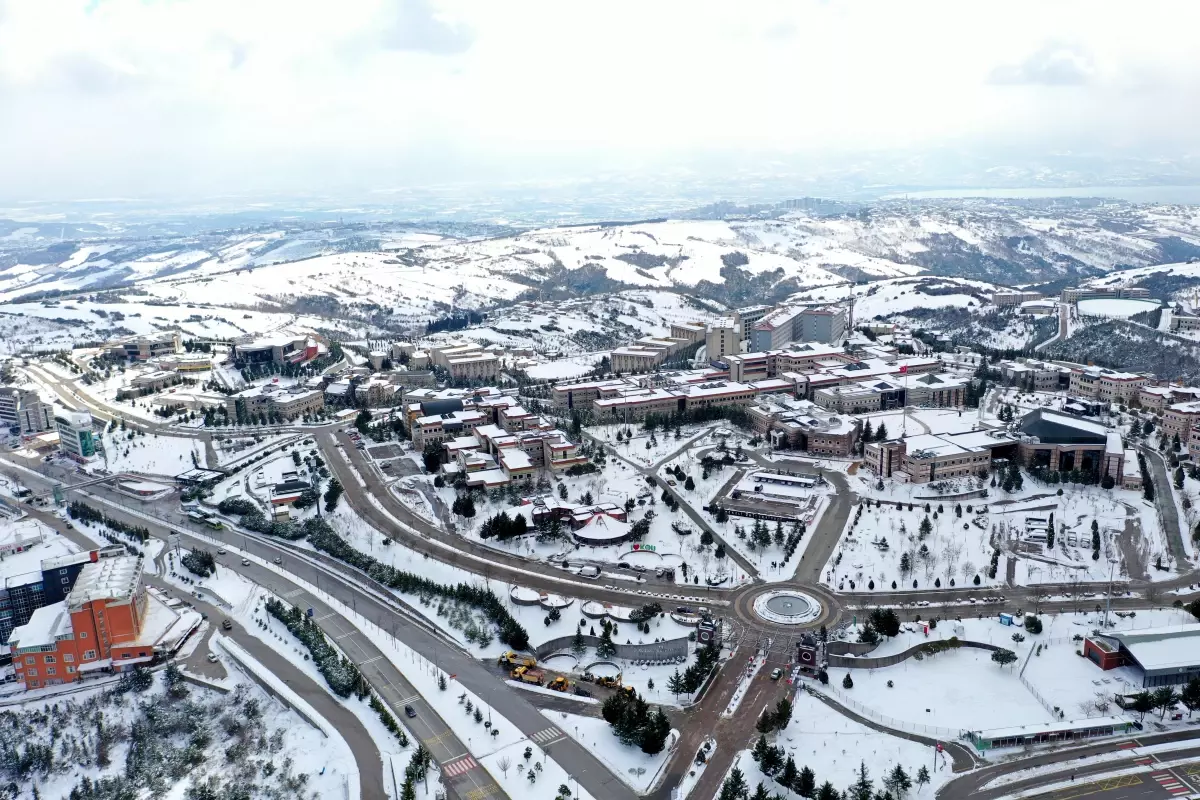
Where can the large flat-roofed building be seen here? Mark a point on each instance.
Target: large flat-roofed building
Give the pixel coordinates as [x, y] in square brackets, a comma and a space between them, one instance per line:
[934, 391]
[746, 317]
[776, 329]
[40, 572]
[144, 347]
[802, 425]
[1180, 418]
[22, 410]
[279, 349]
[635, 402]
[75, 434]
[688, 331]
[1183, 321]
[1158, 656]
[723, 337]
[476, 366]
[808, 356]
[1060, 442]
[927, 457]
[271, 399]
[105, 609]
[1014, 297]
[825, 324]
[1159, 397]
[1106, 384]
[582, 393]
[1033, 375]
[1074, 295]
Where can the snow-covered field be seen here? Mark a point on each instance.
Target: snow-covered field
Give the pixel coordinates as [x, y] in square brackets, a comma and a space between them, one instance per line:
[887, 544]
[150, 453]
[834, 746]
[246, 730]
[638, 770]
[1115, 307]
[964, 690]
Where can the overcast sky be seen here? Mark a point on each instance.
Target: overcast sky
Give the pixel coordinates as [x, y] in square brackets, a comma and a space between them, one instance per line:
[199, 97]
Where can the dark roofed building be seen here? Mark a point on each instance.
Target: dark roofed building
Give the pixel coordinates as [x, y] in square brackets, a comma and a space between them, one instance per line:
[1061, 442]
[436, 408]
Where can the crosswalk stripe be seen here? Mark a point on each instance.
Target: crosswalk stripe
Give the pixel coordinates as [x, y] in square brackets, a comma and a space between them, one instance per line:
[464, 764]
[548, 734]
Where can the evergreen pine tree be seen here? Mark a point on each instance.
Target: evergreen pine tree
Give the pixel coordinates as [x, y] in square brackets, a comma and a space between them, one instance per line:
[789, 776]
[806, 783]
[862, 787]
[783, 713]
[734, 787]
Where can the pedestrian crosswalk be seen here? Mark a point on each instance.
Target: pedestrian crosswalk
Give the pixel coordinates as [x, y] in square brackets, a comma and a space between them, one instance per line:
[548, 735]
[1172, 784]
[458, 767]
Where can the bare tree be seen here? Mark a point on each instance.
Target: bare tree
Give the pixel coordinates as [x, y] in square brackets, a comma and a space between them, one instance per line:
[505, 764]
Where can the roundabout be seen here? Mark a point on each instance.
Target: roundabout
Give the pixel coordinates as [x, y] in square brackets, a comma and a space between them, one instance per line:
[787, 607]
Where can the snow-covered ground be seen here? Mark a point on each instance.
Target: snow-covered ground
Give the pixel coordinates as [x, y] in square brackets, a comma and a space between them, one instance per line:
[638, 770]
[247, 722]
[1114, 307]
[834, 746]
[149, 453]
[959, 690]
[960, 547]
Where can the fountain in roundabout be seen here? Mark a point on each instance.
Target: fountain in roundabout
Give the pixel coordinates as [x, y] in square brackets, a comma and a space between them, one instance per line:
[787, 607]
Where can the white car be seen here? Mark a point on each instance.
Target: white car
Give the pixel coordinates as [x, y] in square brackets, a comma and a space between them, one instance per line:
[213, 658]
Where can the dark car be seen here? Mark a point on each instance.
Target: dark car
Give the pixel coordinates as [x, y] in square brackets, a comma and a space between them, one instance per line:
[582, 692]
[623, 565]
[409, 711]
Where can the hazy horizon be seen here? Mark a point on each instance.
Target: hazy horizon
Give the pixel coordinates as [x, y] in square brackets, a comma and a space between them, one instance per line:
[374, 101]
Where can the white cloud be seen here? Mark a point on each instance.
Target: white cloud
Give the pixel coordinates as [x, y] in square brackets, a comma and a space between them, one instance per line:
[213, 96]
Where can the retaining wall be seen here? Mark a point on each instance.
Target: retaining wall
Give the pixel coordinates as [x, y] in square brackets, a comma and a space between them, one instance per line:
[889, 661]
[845, 648]
[652, 651]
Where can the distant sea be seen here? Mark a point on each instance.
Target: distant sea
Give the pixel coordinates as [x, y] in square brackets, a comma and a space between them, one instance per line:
[1187, 195]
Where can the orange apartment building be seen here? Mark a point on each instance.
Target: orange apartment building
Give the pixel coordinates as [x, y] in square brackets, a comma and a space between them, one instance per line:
[98, 627]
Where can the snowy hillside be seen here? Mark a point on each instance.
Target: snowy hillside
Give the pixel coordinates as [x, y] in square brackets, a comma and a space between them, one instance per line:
[381, 278]
[587, 324]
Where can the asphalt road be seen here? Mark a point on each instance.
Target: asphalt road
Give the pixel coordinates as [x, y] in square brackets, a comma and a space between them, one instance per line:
[362, 746]
[510, 703]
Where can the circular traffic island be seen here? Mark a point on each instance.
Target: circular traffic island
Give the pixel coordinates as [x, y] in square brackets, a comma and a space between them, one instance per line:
[787, 607]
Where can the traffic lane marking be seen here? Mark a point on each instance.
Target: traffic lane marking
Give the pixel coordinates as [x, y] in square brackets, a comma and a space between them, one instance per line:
[1096, 787]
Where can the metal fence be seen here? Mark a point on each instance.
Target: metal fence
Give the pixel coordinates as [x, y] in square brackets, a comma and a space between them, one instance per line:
[882, 719]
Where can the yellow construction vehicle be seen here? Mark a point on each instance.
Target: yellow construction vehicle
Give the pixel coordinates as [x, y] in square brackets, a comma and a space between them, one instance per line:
[559, 684]
[610, 683]
[527, 675]
[512, 659]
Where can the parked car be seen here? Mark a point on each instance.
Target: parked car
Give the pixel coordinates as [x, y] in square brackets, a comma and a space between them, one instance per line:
[410, 712]
[623, 565]
[245, 562]
[221, 551]
[227, 625]
[213, 658]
